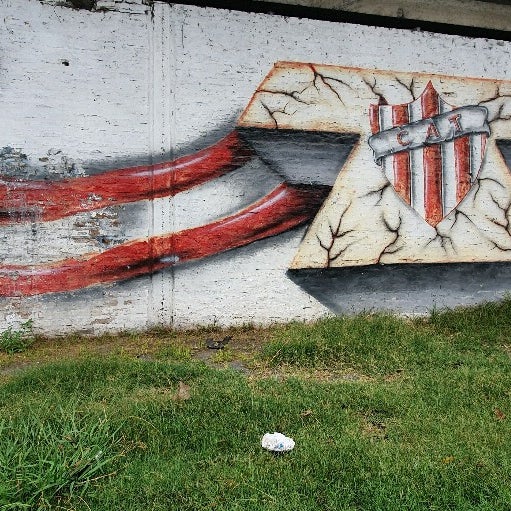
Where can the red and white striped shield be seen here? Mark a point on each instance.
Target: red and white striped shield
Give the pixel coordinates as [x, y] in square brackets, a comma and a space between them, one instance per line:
[430, 151]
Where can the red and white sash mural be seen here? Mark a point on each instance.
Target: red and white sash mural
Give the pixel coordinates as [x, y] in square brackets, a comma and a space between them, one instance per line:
[383, 168]
[212, 166]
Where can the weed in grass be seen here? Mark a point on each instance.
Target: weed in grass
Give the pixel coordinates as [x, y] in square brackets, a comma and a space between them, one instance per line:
[16, 340]
[475, 327]
[48, 460]
[161, 331]
[370, 343]
[175, 352]
[382, 345]
[223, 356]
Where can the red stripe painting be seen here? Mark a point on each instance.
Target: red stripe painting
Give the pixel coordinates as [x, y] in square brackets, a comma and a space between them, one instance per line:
[51, 200]
[432, 162]
[462, 166]
[286, 207]
[401, 160]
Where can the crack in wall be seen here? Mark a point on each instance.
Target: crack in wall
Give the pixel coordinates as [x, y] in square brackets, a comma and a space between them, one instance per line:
[499, 247]
[458, 213]
[325, 79]
[498, 115]
[445, 234]
[409, 87]
[391, 248]
[272, 113]
[320, 82]
[293, 95]
[444, 239]
[379, 191]
[379, 95]
[335, 235]
[478, 184]
[504, 224]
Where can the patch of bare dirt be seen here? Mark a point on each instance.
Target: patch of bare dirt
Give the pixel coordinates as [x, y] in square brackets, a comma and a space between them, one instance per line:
[155, 344]
[241, 353]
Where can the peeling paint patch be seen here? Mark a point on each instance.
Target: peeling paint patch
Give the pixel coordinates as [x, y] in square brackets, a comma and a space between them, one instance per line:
[54, 164]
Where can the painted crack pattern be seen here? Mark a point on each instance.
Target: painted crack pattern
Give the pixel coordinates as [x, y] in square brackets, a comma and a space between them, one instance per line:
[373, 87]
[379, 192]
[273, 111]
[366, 219]
[336, 245]
[410, 87]
[328, 82]
[313, 88]
[499, 109]
[334, 242]
[394, 245]
[483, 217]
[497, 106]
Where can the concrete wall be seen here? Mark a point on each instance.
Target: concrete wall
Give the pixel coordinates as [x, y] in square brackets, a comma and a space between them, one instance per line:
[181, 165]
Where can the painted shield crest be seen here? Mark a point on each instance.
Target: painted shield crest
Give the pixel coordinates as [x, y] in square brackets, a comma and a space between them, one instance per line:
[430, 151]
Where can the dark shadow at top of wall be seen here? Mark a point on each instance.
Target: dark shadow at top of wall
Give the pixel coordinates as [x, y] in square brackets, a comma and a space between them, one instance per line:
[299, 11]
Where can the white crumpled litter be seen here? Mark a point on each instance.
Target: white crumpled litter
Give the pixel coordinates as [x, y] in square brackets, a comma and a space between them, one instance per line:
[277, 442]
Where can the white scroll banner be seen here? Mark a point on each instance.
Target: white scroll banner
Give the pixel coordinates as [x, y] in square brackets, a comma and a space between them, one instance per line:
[440, 128]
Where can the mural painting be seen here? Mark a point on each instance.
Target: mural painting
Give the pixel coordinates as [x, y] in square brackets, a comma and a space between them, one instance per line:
[387, 168]
[425, 182]
[288, 205]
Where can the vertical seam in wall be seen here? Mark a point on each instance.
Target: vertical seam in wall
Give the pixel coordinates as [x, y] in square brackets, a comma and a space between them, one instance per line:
[173, 126]
[150, 317]
[161, 103]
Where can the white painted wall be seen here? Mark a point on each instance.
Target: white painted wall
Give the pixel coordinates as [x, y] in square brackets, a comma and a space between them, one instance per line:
[143, 83]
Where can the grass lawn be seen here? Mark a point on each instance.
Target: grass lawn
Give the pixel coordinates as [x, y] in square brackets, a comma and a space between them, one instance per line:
[387, 414]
